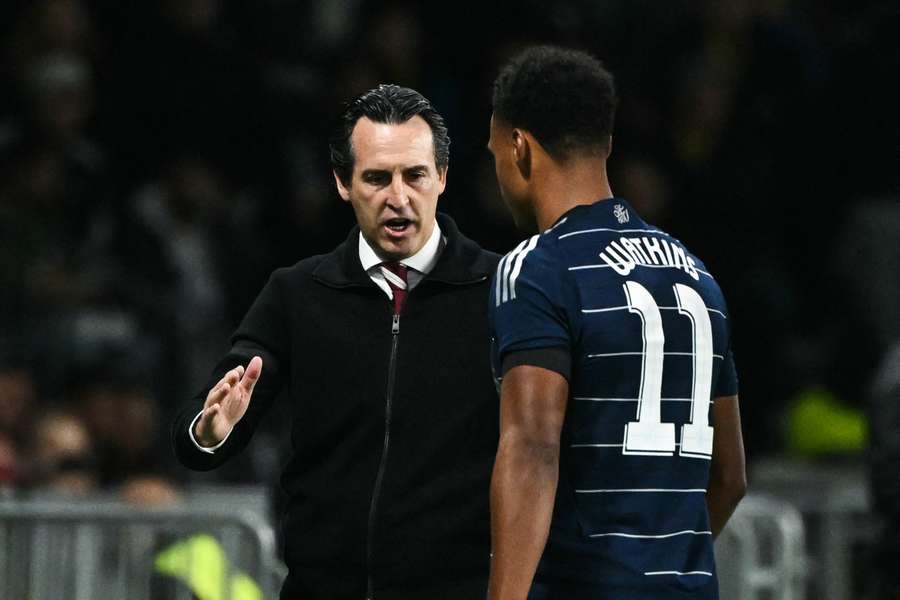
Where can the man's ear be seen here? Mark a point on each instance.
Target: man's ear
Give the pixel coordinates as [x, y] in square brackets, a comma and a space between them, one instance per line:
[343, 190]
[442, 179]
[522, 152]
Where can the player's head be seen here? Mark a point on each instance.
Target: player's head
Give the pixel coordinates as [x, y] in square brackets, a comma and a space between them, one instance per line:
[389, 153]
[553, 102]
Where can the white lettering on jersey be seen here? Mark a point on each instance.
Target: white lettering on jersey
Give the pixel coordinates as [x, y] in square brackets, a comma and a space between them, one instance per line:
[654, 250]
[620, 262]
[692, 268]
[636, 244]
[668, 251]
[624, 254]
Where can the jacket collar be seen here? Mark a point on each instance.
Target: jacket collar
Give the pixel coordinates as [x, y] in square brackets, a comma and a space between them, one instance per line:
[462, 261]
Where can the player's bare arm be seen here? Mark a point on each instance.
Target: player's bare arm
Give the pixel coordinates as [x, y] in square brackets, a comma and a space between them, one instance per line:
[523, 486]
[727, 477]
[227, 402]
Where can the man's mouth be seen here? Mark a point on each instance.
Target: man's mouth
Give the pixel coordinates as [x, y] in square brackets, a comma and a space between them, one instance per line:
[398, 225]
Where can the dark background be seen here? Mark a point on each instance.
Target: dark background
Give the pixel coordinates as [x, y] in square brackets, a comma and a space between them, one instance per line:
[158, 160]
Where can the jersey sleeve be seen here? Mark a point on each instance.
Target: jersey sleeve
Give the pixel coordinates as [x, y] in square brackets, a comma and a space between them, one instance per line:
[727, 384]
[530, 307]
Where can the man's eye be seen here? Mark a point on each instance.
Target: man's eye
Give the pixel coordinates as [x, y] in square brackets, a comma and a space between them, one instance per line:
[416, 174]
[376, 178]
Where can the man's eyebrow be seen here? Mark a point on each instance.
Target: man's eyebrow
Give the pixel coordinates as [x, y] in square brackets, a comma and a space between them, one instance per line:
[374, 171]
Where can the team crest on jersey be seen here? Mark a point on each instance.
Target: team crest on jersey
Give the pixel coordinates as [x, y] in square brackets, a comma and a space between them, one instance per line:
[621, 213]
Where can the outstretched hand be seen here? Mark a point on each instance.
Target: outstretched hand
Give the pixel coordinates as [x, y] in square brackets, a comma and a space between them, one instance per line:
[226, 403]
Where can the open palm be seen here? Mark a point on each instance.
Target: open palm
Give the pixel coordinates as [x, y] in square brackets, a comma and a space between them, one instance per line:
[227, 402]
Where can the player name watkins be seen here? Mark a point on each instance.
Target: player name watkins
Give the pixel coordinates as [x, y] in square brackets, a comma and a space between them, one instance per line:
[629, 252]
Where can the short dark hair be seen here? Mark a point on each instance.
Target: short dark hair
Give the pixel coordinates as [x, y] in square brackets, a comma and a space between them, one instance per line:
[565, 98]
[386, 103]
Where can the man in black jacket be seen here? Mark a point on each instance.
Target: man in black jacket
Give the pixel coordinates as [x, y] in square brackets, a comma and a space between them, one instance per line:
[382, 347]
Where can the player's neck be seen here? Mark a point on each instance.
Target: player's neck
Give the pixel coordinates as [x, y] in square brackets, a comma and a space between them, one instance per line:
[562, 189]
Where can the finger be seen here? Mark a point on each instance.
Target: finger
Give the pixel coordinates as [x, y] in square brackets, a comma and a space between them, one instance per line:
[223, 394]
[234, 404]
[232, 377]
[210, 412]
[216, 394]
[251, 376]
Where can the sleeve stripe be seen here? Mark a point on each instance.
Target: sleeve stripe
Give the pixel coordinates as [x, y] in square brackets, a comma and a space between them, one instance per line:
[499, 279]
[503, 273]
[518, 266]
[509, 268]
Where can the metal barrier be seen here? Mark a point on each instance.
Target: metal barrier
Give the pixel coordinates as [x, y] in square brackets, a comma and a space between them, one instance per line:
[834, 501]
[77, 551]
[761, 552]
[51, 550]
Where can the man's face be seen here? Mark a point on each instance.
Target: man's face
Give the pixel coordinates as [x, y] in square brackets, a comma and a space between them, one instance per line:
[514, 188]
[395, 185]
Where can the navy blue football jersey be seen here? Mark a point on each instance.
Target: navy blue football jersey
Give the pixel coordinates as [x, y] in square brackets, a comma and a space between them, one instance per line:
[646, 329]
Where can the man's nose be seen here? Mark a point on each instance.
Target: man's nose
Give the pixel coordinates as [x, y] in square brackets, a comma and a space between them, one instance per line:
[397, 197]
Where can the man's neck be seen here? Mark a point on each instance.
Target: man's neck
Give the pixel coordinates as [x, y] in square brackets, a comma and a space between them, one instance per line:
[562, 189]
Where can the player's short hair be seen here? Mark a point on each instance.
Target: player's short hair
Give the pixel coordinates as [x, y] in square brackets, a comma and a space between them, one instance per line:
[391, 104]
[565, 98]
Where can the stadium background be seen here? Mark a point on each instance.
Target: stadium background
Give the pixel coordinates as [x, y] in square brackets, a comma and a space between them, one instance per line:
[159, 160]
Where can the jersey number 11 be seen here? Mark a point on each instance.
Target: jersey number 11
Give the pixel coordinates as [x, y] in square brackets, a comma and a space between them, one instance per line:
[649, 435]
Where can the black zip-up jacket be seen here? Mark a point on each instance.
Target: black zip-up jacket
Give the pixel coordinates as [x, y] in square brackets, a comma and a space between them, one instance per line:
[395, 424]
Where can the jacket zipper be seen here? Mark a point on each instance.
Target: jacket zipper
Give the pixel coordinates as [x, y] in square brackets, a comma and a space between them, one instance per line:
[376, 491]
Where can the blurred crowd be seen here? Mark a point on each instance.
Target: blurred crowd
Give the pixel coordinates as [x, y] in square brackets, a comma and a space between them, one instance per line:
[158, 160]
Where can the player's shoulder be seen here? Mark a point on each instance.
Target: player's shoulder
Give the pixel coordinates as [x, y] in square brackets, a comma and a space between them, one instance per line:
[532, 266]
[533, 244]
[543, 248]
[586, 226]
[535, 254]
[698, 275]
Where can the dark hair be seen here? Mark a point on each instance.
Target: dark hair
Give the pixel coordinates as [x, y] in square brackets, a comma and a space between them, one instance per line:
[565, 98]
[387, 103]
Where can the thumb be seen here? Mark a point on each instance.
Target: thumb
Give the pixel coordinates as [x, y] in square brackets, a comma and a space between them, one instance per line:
[251, 374]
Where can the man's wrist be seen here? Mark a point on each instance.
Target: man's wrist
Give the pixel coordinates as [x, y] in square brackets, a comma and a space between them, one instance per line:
[193, 436]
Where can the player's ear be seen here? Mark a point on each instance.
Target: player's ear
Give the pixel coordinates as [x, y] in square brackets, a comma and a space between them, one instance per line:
[522, 152]
[609, 146]
[342, 189]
